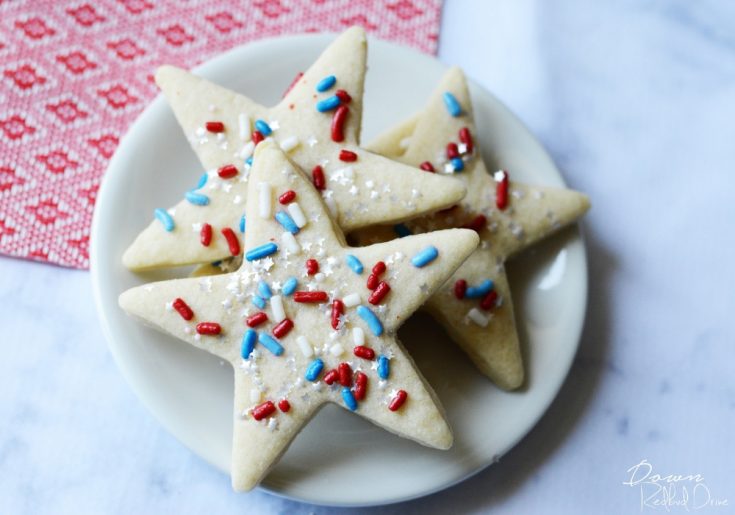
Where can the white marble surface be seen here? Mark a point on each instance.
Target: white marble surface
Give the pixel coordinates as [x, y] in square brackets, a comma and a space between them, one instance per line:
[636, 102]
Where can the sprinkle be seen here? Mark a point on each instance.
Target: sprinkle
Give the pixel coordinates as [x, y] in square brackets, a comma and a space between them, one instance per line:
[457, 164]
[232, 242]
[328, 104]
[243, 123]
[489, 300]
[383, 367]
[349, 399]
[227, 171]
[283, 328]
[326, 83]
[336, 350]
[501, 189]
[398, 400]
[248, 343]
[452, 150]
[209, 328]
[331, 376]
[364, 352]
[452, 105]
[289, 286]
[277, 308]
[477, 223]
[205, 234]
[297, 214]
[379, 267]
[247, 150]
[289, 241]
[351, 300]
[287, 222]
[242, 223]
[284, 405]
[197, 199]
[347, 156]
[379, 293]
[293, 83]
[256, 319]
[262, 251]
[317, 175]
[372, 281]
[310, 296]
[263, 127]
[183, 309]
[425, 257]
[475, 292]
[312, 266]
[287, 196]
[290, 143]
[304, 346]
[460, 288]
[249, 161]
[264, 410]
[338, 308]
[215, 126]
[361, 380]
[402, 231]
[344, 97]
[258, 301]
[257, 137]
[314, 369]
[165, 219]
[427, 167]
[478, 317]
[354, 264]
[264, 290]
[345, 374]
[202, 181]
[373, 322]
[264, 200]
[270, 343]
[338, 123]
[466, 137]
[358, 336]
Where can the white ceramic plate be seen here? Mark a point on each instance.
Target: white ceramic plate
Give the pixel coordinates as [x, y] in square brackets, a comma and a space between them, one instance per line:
[338, 459]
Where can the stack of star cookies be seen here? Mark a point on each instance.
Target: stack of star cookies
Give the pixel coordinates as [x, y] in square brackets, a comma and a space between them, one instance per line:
[304, 318]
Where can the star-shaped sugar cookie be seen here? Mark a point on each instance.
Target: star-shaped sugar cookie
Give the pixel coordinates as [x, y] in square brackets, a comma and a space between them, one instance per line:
[299, 323]
[475, 304]
[317, 124]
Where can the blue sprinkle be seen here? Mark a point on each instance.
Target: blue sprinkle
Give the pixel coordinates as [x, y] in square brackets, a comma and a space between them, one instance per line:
[326, 83]
[196, 198]
[264, 290]
[354, 264]
[457, 164]
[287, 222]
[216, 263]
[249, 161]
[289, 286]
[260, 252]
[165, 218]
[402, 231]
[202, 181]
[248, 343]
[372, 320]
[349, 399]
[242, 224]
[270, 343]
[452, 105]
[328, 104]
[475, 292]
[425, 257]
[383, 367]
[314, 369]
[259, 301]
[263, 127]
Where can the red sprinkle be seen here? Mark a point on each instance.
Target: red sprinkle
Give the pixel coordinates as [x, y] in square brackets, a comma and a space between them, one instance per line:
[460, 287]
[501, 192]
[344, 97]
[379, 293]
[312, 266]
[452, 150]
[257, 137]
[489, 300]
[209, 328]
[364, 352]
[347, 156]
[232, 241]
[215, 126]
[317, 175]
[264, 410]
[345, 374]
[293, 83]
[227, 171]
[361, 380]
[338, 308]
[477, 223]
[205, 235]
[282, 328]
[466, 137]
[331, 376]
[372, 281]
[379, 268]
[338, 123]
[427, 167]
[287, 197]
[310, 296]
[284, 405]
[256, 319]
[183, 309]
[398, 400]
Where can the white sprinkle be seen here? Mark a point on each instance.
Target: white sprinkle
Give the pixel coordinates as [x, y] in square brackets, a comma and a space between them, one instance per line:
[358, 335]
[274, 125]
[297, 214]
[237, 199]
[404, 143]
[272, 424]
[169, 306]
[290, 243]
[196, 227]
[319, 277]
[347, 172]
[277, 308]
[304, 346]
[247, 150]
[254, 395]
[351, 300]
[478, 317]
[329, 201]
[264, 196]
[290, 143]
[311, 140]
[499, 175]
[243, 121]
[336, 349]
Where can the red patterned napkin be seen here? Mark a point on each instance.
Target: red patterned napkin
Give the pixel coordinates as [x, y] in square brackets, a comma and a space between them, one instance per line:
[74, 75]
